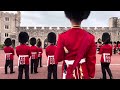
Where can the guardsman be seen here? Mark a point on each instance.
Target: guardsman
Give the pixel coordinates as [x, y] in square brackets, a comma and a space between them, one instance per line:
[106, 51]
[40, 51]
[50, 51]
[23, 52]
[34, 55]
[9, 55]
[76, 47]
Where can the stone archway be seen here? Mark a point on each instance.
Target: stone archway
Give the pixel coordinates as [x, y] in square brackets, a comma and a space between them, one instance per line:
[45, 43]
[13, 43]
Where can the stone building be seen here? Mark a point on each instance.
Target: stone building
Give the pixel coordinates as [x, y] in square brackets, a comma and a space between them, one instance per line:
[10, 27]
[8, 24]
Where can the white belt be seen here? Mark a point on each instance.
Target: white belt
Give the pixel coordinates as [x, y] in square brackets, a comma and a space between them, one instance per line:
[23, 55]
[33, 52]
[50, 56]
[104, 56]
[106, 53]
[70, 62]
[8, 53]
[39, 52]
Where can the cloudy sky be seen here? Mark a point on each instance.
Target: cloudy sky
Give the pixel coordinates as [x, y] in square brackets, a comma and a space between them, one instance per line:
[57, 18]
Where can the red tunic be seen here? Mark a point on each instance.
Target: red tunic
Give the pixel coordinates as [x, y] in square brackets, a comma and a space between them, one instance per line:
[34, 52]
[23, 49]
[40, 51]
[119, 46]
[105, 49]
[114, 46]
[9, 50]
[50, 50]
[71, 39]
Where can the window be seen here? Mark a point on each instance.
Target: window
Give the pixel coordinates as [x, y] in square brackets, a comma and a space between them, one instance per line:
[6, 26]
[6, 18]
[6, 34]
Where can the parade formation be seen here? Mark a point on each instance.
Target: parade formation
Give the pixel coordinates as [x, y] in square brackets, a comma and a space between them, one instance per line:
[78, 59]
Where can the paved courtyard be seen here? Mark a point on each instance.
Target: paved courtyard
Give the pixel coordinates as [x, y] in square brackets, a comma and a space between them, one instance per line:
[115, 67]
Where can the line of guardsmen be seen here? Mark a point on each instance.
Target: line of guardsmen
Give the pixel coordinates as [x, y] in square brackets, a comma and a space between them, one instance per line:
[31, 53]
[75, 47]
[115, 46]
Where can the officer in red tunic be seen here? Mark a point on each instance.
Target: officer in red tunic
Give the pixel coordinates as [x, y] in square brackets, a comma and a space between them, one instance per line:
[40, 51]
[106, 51]
[50, 51]
[34, 55]
[80, 53]
[23, 52]
[9, 55]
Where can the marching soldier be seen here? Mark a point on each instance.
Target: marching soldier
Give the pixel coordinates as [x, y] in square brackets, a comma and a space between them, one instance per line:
[76, 47]
[34, 55]
[23, 52]
[50, 51]
[40, 51]
[106, 51]
[9, 55]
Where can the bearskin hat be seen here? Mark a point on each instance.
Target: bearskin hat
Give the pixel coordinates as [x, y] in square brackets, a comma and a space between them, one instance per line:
[33, 41]
[106, 38]
[51, 38]
[77, 16]
[8, 42]
[115, 43]
[23, 37]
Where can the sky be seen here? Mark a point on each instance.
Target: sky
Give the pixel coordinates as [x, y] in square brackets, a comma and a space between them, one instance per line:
[58, 19]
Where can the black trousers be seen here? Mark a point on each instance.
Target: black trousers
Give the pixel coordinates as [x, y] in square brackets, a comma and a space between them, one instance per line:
[20, 71]
[114, 51]
[9, 63]
[105, 67]
[52, 69]
[34, 63]
[39, 61]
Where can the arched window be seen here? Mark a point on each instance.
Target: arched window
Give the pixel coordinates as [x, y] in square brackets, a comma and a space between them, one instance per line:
[6, 26]
[6, 18]
[5, 34]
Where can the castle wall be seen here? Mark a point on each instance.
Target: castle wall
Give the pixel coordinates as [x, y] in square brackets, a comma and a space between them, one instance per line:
[41, 32]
